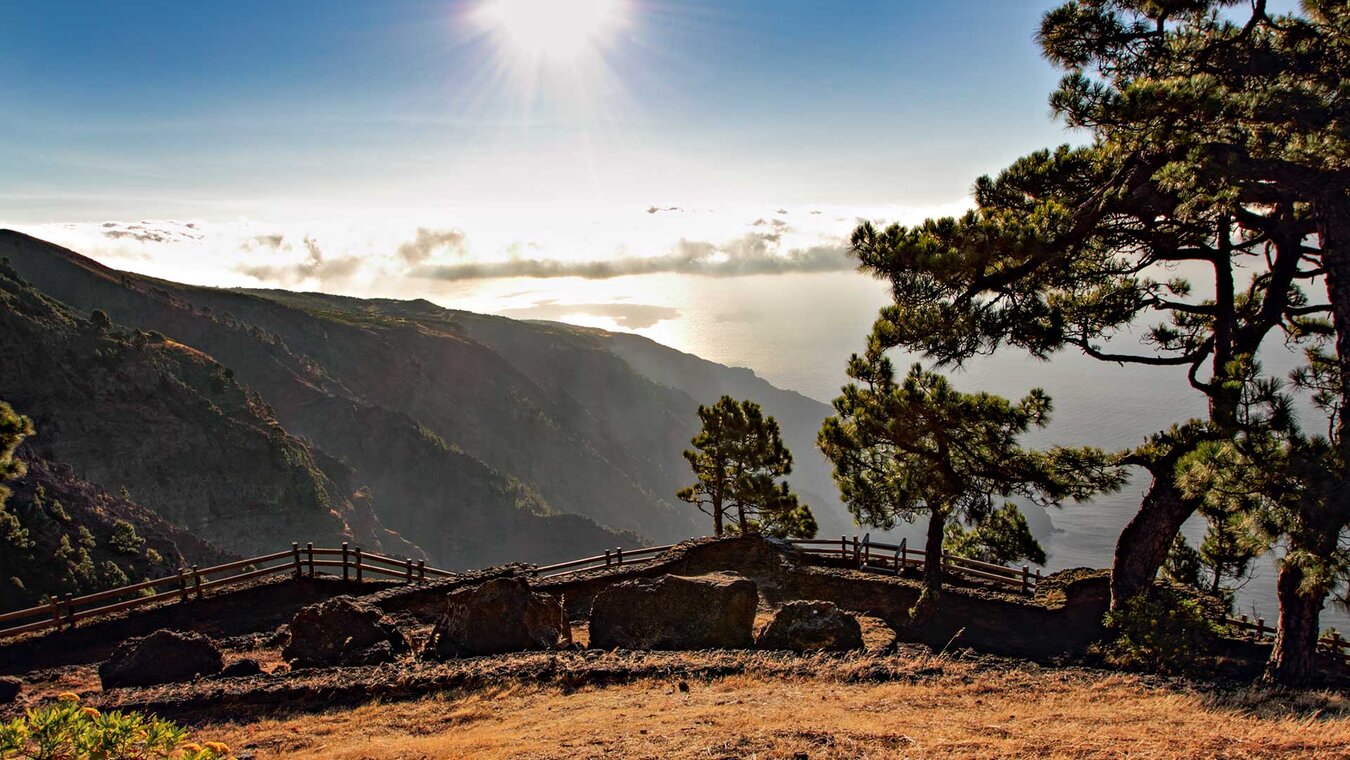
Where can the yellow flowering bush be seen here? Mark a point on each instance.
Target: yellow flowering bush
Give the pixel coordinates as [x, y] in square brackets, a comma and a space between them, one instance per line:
[66, 730]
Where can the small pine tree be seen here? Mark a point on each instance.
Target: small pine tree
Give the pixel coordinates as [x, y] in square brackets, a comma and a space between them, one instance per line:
[904, 450]
[124, 538]
[738, 458]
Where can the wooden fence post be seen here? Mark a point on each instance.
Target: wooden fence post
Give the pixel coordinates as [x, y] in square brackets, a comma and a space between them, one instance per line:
[358, 564]
[421, 571]
[309, 552]
[618, 555]
[56, 610]
[344, 561]
[1026, 579]
[407, 564]
[295, 551]
[904, 554]
[1260, 628]
[70, 610]
[898, 558]
[607, 558]
[843, 547]
[867, 549]
[197, 581]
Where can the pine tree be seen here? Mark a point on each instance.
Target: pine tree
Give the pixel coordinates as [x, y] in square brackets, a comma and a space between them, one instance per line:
[919, 448]
[13, 429]
[739, 459]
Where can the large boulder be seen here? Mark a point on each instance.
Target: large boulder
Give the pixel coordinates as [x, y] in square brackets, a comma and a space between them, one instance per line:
[502, 615]
[162, 657]
[342, 631]
[811, 627]
[714, 611]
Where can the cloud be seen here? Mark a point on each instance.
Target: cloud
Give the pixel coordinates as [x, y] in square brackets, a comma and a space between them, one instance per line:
[426, 242]
[630, 316]
[152, 231]
[273, 241]
[327, 271]
[753, 253]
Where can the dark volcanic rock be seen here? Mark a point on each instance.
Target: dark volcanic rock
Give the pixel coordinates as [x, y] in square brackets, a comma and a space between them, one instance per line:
[162, 657]
[811, 627]
[9, 689]
[342, 631]
[240, 668]
[676, 612]
[502, 615]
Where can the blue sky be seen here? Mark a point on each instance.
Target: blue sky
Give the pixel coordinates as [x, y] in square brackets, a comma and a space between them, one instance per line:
[146, 110]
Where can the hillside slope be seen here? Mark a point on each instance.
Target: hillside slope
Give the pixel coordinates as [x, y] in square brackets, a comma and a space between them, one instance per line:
[63, 535]
[463, 512]
[167, 423]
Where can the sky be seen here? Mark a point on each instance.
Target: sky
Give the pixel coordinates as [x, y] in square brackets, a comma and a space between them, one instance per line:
[434, 146]
[355, 124]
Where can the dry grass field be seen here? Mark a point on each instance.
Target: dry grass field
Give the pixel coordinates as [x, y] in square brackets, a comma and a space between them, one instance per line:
[962, 711]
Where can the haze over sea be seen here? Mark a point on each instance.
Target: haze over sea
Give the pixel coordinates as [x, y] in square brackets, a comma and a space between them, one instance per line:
[798, 330]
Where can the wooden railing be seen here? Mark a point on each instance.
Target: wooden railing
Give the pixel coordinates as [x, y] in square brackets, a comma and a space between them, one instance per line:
[866, 554]
[351, 563]
[193, 583]
[354, 564]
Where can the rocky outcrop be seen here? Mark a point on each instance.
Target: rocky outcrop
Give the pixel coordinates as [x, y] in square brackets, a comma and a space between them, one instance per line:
[162, 657]
[9, 689]
[676, 612]
[242, 668]
[811, 626]
[502, 615]
[342, 631]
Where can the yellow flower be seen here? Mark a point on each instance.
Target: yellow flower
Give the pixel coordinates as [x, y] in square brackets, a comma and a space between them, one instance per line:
[191, 747]
[220, 748]
[89, 712]
[68, 696]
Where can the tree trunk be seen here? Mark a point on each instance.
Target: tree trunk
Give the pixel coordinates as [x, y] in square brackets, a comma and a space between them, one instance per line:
[717, 517]
[932, 560]
[1143, 545]
[1292, 662]
[1334, 234]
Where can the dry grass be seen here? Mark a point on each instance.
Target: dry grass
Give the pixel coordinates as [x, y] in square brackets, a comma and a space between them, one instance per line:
[964, 712]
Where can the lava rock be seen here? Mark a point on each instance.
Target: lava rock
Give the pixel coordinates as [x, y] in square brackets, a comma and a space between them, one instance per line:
[715, 611]
[9, 689]
[241, 668]
[342, 631]
[811, 627]
[501, 615]
[162, 657]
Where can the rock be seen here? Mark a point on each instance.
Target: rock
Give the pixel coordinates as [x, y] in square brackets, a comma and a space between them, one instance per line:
[9, 689]
[162, 657]
[811, 627]
[676, 612]
[241, 668]
[342, 631]
[502, 615]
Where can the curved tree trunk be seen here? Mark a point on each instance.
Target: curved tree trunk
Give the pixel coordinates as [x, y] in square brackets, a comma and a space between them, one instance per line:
[932, 559]
[1143, 545]
[1293, 661]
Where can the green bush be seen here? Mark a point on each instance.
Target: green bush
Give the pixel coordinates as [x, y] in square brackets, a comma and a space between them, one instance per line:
[68, 730]
[1169, 629]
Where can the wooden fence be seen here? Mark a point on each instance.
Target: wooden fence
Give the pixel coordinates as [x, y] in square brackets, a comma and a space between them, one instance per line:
[865, 554]
[354, 564]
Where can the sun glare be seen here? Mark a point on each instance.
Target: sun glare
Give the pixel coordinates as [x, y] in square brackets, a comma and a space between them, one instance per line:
[559, 31]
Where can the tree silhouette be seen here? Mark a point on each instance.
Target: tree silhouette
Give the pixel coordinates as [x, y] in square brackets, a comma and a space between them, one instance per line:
[738, 458]
[920, 448]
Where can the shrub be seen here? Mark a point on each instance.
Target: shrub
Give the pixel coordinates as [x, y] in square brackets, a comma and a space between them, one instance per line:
[66, 729]
[124, 538]
[1170, 629]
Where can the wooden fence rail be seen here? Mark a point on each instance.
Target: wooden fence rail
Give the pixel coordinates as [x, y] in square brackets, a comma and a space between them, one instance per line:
[351, 562]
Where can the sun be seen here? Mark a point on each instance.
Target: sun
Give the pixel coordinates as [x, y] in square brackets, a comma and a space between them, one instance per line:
[552, 31]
